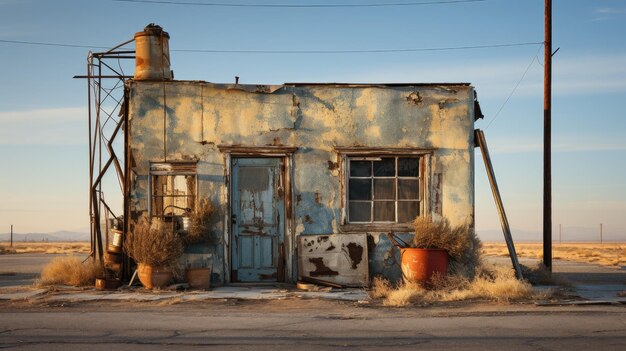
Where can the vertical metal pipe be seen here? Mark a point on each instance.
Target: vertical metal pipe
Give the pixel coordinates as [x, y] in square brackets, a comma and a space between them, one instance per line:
[89, 117]
[98, 126]
[547, 139]
[126, 224]
[11, 235]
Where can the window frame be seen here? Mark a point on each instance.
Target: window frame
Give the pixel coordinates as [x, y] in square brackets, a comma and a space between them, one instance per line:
[171, 169]
[345, 154]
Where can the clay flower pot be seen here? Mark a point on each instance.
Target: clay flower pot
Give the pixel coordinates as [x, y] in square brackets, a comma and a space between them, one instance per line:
[419, 265]
[154, 277]
[199, 278]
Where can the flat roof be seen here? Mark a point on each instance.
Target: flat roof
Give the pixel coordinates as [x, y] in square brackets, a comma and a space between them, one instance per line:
[380, 84]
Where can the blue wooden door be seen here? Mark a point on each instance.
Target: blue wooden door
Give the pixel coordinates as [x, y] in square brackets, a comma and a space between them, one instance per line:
[257, 219]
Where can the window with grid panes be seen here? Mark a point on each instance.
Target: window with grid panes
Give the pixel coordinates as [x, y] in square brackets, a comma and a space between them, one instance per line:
[383, 189]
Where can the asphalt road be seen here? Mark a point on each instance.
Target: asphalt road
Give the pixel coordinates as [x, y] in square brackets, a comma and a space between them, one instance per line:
[311, 325]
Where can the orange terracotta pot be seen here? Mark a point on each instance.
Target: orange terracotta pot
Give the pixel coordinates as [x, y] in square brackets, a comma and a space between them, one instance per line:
[154, 277]
[199, 278]
[419, 265]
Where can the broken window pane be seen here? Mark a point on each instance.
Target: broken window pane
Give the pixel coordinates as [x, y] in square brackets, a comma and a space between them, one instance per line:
[360, 168]
[385, 167]
[360, 211]
[360, 189]
[407, 211]
[384, 189]
[408, 189]
[384, 211]
[408, 167]
[173, 195]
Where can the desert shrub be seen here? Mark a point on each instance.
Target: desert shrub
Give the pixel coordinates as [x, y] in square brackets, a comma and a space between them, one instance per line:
[154, 243]
[492, 283]
[538, 274]
[380, 287]
[69, 270]
[6, 250]
[439, 234]
[200, 222]
[404, 294]
[461, 243]
[499, 283]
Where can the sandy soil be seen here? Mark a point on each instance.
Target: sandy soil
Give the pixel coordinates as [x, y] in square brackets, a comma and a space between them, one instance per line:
[606, 254]
[46, 247]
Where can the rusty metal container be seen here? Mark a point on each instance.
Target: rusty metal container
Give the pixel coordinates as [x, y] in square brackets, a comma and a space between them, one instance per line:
[152, 54]
[112, 257]
[117, 242]
[107, 283]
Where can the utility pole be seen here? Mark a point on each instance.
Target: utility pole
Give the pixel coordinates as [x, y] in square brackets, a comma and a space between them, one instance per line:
[11, 235]
[547, 139]
[600, 233]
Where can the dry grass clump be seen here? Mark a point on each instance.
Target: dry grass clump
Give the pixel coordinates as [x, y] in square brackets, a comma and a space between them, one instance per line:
[538, 274]
[493, 283]
[6, 250]
[404, 294]
[154, 243]
[461, 243]
[431, 234]
[200, 223]
[69, 270]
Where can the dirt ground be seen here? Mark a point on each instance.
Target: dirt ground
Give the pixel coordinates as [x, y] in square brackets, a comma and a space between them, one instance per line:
[78, 247]
[605, 254]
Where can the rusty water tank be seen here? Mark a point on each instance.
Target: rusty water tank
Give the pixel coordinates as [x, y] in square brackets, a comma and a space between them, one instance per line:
[152, 54]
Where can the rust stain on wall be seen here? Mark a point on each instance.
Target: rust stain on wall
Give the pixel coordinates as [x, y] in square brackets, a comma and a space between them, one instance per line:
[318, 198]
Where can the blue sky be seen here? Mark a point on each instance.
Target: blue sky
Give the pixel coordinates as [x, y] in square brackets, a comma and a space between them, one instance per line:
[43, 110]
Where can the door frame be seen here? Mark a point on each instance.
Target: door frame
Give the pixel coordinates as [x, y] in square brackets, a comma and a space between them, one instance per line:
[286, 155]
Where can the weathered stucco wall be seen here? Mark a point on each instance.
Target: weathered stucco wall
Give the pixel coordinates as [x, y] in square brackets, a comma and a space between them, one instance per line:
[200, 116]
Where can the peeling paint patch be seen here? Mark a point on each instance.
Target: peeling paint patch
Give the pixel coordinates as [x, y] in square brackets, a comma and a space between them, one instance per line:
[318, 198]
[414, 98]
[355, 252]
[320, 268]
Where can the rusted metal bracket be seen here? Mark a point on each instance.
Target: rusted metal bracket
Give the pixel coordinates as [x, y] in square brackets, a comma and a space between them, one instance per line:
[397, 242]
[482, 143]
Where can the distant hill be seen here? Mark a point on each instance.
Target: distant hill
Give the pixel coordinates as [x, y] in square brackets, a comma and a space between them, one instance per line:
[62, 235]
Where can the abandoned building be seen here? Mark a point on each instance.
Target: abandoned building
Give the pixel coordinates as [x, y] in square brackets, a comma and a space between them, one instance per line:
[307, 178]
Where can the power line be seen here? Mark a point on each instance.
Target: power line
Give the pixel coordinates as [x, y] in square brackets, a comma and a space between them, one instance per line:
[51, 44]
[357, 51]
[217, 4]
[514, 88]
